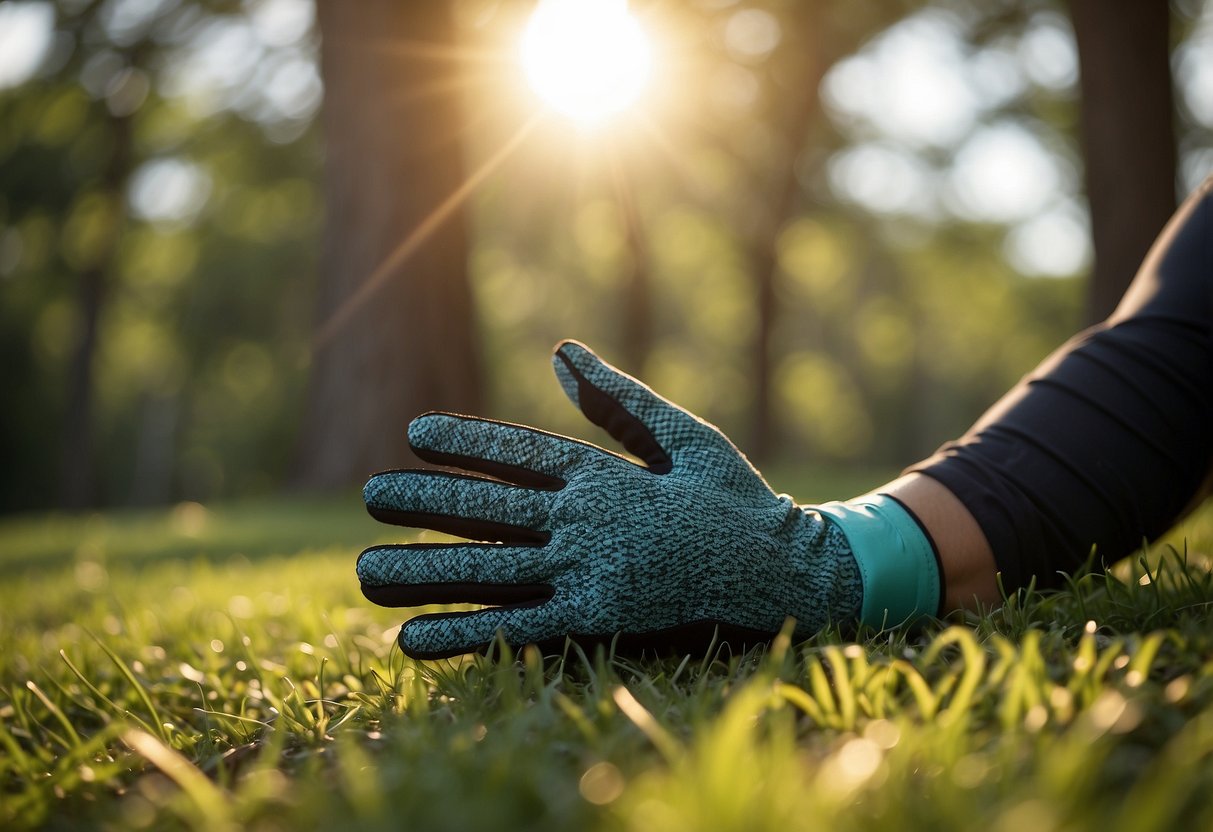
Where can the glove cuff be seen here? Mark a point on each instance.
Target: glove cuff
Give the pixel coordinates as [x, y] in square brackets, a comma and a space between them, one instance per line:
[897, 559]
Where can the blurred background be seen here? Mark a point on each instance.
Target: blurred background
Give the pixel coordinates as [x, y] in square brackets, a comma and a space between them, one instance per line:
[242, 243]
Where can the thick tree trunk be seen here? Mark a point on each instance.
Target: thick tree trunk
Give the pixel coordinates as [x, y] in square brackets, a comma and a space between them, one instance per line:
[1128, 136]
[396, 319]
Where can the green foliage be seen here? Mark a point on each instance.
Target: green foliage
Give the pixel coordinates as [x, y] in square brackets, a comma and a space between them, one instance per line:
[893, 331]
[913, 321]
[251, 687]
[205, 311]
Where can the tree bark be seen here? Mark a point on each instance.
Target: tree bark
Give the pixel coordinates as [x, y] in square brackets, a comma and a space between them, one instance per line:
[397, 332]
[1128, 136]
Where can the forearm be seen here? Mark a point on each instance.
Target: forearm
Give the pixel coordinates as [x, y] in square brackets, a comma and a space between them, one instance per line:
[1103, 446]
[964, 553]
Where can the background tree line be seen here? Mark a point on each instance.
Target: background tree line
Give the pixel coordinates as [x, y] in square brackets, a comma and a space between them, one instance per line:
[838, 229]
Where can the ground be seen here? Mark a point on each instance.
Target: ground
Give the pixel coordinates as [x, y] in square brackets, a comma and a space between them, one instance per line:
[216, 667]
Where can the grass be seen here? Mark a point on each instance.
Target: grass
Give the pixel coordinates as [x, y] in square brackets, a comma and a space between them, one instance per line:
[218, 669]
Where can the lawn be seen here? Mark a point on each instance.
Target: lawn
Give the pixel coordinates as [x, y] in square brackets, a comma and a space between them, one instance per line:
[217, 668]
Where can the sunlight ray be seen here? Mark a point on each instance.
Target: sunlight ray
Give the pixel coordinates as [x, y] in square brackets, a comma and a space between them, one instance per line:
[375, 281]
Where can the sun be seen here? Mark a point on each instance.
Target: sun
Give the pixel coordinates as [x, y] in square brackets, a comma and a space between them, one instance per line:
[588, 59]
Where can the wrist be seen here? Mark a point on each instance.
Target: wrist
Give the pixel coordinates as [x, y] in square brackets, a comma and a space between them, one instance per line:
[898, 562]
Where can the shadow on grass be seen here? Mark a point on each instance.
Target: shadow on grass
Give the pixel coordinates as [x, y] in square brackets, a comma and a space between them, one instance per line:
[252, 528]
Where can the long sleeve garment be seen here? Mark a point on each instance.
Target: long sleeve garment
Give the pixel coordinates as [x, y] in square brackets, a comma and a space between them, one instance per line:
[1109, 441]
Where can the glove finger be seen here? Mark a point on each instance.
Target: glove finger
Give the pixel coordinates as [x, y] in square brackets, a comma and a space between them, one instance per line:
[648, 425]
[470, 507]
[443, 635]
[515, 453]
[413, 575]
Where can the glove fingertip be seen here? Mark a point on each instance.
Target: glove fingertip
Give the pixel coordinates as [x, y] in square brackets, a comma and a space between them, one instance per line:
[573, 347]
[372, 492]
[423, 429]
[565, 361]
[416, 641]
[368, 565]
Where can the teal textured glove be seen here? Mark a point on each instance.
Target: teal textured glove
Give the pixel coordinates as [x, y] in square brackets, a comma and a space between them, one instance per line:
[580, 542]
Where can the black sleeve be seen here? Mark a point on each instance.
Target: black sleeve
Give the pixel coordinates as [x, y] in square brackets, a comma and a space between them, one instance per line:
[1106, 443]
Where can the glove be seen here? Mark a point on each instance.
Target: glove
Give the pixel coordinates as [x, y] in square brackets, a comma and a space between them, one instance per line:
[577, 541]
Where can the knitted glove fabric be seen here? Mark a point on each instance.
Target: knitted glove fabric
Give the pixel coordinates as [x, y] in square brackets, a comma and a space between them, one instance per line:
[577, 541]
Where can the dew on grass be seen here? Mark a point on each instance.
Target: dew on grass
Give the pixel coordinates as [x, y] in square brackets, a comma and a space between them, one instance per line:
[189, 519]
[91, 576]
[1062, 703]
[882, 732]
[1035, 719]
[1107, 709]
[191, 673]
[602, 783]
[851, 766]
[241, 606]
[1177, 689]
[1129, 719]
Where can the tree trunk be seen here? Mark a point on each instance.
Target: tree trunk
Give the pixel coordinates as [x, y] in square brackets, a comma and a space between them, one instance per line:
[1128, 136]
[396, 329]
[795, 125]
[78, 476]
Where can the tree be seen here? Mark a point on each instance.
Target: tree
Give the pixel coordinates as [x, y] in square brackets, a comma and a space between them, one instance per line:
[150, 342]
[815, 37]
[794, 121]
[397, 325]
[1128, 137]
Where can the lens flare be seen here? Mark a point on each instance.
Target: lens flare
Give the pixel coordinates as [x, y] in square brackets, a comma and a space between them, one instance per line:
[588, 59]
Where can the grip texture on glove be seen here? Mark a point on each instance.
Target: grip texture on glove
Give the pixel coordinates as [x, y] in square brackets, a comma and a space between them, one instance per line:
[572, 540]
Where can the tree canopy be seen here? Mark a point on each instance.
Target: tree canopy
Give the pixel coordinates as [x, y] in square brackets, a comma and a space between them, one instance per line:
[870, 216]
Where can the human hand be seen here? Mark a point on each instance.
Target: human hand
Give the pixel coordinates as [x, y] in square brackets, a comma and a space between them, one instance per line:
[580, 542]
